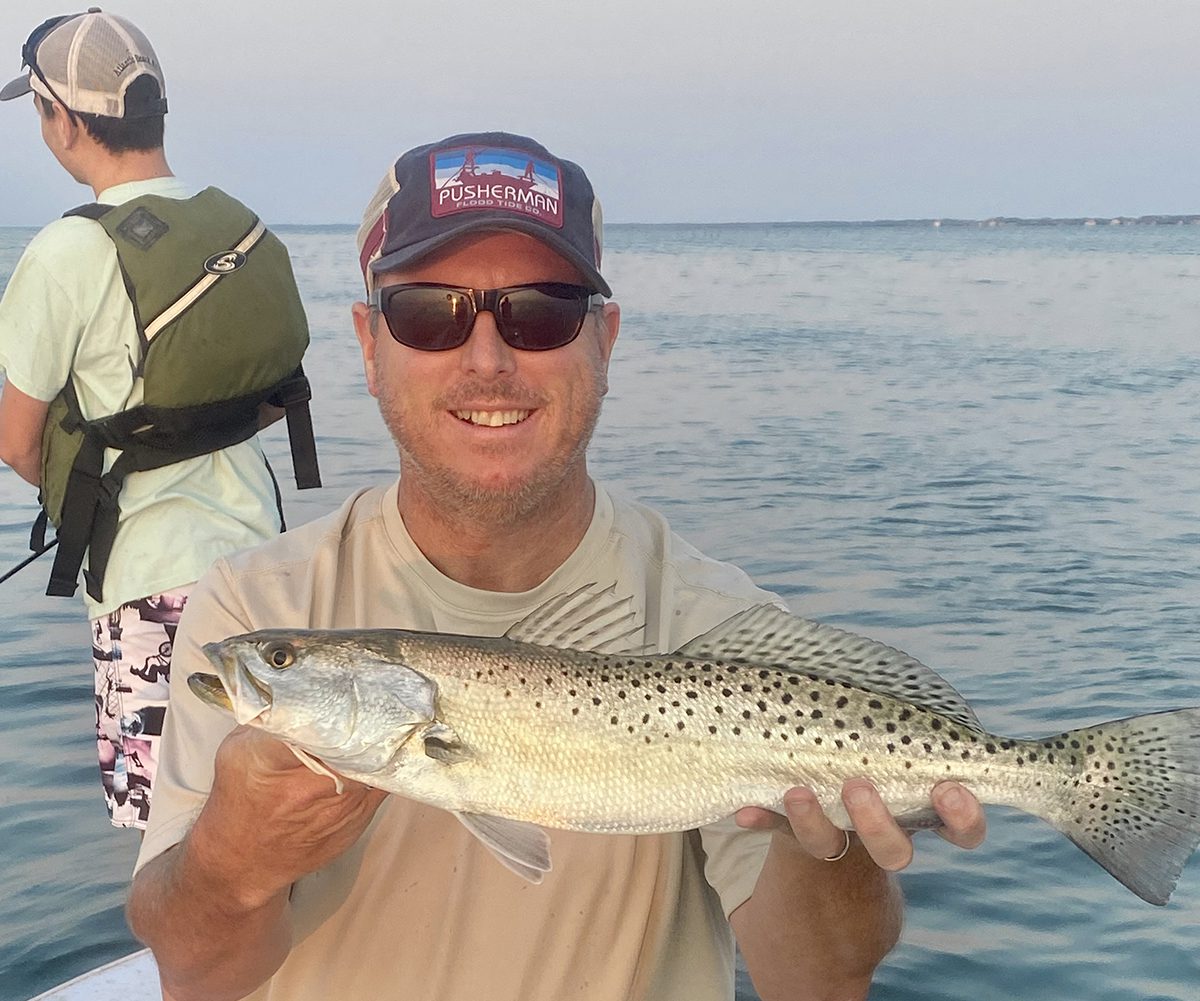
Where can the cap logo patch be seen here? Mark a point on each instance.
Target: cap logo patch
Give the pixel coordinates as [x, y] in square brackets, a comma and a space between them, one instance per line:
[472, 178]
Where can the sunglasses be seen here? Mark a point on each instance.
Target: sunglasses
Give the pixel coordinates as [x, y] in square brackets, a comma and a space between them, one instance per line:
[29, 53]
[536, 317]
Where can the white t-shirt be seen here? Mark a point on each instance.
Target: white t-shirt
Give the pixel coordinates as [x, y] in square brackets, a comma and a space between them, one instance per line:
[418, 908]
[65, 314]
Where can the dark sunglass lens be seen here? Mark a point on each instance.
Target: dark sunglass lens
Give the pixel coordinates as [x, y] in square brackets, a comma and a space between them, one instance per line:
[542, 318]
[428, 319]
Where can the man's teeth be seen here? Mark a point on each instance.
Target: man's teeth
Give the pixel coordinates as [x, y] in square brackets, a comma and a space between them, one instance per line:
[492, 418]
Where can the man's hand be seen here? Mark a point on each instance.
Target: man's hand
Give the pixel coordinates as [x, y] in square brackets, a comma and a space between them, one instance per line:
[818, 929]
[214, 908]
[270, 819]
[963, 822]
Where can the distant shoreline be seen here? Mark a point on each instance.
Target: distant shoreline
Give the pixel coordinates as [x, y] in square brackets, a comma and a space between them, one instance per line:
[994, 222]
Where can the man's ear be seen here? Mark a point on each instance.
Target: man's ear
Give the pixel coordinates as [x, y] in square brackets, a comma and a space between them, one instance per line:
[364, 330]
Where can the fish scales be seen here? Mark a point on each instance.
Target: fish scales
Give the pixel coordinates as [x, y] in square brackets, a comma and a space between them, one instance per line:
[508, 733]
[612, 744]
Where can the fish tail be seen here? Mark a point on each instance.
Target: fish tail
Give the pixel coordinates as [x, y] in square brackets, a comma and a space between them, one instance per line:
[1133, 801]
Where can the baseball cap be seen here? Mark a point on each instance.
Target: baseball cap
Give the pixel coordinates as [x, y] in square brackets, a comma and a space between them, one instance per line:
[477, 182]
[87, 62]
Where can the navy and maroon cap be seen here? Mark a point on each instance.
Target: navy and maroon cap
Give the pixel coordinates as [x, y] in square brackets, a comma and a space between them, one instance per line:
[479, 182]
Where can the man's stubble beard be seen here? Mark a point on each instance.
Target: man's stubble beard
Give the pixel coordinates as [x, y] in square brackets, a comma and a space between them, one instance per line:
[452, 495]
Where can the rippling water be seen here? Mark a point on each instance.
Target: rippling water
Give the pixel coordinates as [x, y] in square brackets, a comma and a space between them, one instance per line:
[981, 446]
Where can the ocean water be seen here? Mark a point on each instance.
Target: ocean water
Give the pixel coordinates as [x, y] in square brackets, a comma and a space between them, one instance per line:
[979, 445]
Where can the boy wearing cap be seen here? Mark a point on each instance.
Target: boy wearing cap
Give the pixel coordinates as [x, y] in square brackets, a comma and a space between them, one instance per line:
[486, 338]
[70, 331]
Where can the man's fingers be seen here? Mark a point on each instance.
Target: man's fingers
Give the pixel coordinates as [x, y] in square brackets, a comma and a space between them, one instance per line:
[885, 842]
[815, 832]
[963, 819]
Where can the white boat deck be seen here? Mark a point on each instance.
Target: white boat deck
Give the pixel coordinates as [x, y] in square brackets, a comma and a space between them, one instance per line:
[133, 978]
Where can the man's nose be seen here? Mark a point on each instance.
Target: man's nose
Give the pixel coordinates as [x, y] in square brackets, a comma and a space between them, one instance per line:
[485, 351]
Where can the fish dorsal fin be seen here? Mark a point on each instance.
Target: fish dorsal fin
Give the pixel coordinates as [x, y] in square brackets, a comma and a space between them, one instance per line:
[585, 619]
[769, 636]
[517, 845]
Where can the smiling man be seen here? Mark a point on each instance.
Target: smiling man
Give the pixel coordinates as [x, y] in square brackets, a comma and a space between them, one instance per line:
[486, 338]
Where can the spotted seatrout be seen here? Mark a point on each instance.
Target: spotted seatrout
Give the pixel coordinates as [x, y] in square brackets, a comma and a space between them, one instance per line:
[542, 728]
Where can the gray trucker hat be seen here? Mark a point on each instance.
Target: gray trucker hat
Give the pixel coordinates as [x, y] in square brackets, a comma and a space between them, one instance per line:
[87, 62]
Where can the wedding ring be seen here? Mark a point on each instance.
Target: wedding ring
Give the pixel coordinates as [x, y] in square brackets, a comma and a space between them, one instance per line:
[842, 854]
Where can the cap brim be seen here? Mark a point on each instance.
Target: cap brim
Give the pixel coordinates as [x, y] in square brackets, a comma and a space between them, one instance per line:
[16, 88]
[398, 258]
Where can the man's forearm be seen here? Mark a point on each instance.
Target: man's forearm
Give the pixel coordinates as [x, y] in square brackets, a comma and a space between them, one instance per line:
[815, 930]
[210, 944]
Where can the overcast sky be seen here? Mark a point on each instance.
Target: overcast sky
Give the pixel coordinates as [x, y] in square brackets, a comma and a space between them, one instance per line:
[741, 110]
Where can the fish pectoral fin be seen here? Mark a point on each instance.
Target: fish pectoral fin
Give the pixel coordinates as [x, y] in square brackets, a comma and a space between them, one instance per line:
[312, 764]
[446, 747]
[517, 845]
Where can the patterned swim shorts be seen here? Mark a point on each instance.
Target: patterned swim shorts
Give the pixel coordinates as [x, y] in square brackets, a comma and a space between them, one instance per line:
[131, 648]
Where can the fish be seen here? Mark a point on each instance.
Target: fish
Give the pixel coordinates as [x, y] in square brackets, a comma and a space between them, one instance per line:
[567, 722]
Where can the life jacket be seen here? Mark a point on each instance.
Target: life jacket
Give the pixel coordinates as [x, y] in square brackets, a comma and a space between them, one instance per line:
[221, 329]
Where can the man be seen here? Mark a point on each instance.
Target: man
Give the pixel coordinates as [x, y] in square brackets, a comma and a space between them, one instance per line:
[486, 341]
[90, 296]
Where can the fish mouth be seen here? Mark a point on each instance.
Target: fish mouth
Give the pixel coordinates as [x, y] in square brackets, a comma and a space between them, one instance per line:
[210, 689]
[232, 688]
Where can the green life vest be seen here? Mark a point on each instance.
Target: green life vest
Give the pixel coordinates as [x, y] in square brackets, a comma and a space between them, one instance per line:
[221, 329]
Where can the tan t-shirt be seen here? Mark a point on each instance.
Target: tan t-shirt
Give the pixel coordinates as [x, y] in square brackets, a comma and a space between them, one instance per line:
[418, 908]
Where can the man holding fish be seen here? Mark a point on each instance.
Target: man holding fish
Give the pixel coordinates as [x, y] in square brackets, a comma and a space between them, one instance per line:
[486, 340]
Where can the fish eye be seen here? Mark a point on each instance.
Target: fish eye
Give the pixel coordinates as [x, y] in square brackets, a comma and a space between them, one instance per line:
[280, 655]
